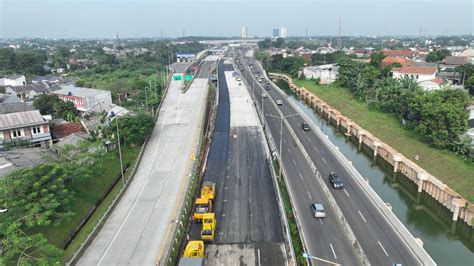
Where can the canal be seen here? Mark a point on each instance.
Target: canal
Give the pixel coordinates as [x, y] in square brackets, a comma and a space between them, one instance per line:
[448, 242]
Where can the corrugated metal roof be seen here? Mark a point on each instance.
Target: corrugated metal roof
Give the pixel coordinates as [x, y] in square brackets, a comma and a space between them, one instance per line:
[14, 120]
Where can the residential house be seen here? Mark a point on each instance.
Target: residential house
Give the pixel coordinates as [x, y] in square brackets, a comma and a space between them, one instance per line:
[27, 126]
[425, 76]
[326, 73]
[15, 80]
[452, 62]
[400, 53]
[325, 50]
[27, 92]
[391, 60]
[61, 131]
[85, 99]
[469, 52]
[6, 98]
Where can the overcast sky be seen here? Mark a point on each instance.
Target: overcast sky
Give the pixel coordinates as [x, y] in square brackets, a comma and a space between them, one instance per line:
[151, 18]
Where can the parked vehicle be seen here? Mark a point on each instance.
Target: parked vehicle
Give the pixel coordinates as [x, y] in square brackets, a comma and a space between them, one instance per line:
[208, 227]
[336, 180]
[193, 254]
[318, 210]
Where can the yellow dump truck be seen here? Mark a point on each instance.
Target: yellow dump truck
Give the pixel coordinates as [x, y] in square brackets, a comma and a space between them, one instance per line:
[193, 254]
[208, 190]
[202, 206]
[208, 227]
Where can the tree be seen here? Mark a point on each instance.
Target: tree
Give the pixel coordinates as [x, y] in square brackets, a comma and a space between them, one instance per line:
[376, 59]
[436, 55]
[469, 84]
[50, 104]
[265, 44]
[22, 249]
[280, 43]
[133, 129]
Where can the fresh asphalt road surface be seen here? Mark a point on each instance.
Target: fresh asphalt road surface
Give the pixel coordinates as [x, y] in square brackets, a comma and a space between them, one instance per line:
[382, 245]
[324, 238]
[246, 208]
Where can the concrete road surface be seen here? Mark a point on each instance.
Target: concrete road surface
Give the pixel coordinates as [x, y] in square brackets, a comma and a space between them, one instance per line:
[139, 229]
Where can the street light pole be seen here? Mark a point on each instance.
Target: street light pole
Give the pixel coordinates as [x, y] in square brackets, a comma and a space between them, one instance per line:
[281, 137]
[120, 150]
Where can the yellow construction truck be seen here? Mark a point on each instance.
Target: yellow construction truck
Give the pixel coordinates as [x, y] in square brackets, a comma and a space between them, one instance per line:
[208, 190]
[193, 254]
[208, 227]
[202, 206]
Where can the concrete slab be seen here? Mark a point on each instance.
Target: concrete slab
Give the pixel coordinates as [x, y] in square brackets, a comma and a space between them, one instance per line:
[139, 229]
[242, 113]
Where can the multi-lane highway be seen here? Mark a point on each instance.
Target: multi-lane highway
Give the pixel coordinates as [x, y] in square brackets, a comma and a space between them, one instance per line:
[324, 238]
[378, 239]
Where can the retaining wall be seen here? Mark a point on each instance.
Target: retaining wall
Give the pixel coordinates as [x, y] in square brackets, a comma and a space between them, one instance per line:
[460, 207]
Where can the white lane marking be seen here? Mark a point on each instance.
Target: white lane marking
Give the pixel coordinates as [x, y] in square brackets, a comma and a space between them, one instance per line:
[309, 195]
[301, 176]
[346, 192]
[316, 148]
[321, 220]
[258, 255]
[383, 249]
[284, 140]
[294, 162]
[308, 139]
[362, 216]
[5, 165]
[324, 160]
[289, 150]
[333, 252]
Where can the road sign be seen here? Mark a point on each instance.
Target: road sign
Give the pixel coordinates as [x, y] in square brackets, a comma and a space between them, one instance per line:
[188, 77]
[177, 77]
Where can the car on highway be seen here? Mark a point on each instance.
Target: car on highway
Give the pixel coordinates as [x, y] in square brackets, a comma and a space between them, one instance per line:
[318, 210]
[255, 75]
[336, 180]
[279, 102]
[267, 87]
[264, 95]
[305, 126]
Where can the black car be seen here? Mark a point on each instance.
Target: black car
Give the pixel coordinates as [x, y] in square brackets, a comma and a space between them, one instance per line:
[305, 126]
[336, 180]
[267, 87]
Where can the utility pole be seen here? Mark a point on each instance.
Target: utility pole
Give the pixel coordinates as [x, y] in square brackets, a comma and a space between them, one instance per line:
[146, 100]
[339, 42]
[120, 150]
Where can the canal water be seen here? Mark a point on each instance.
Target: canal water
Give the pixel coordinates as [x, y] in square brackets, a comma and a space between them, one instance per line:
[448, 242]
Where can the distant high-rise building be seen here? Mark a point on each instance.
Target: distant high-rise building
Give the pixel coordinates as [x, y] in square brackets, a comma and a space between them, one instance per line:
[243, 32]
[283, 32]
[276, 33]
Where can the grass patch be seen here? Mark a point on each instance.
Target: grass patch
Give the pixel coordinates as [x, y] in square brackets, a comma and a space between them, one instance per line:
[295, 236]
[88, 193]
[447, 167]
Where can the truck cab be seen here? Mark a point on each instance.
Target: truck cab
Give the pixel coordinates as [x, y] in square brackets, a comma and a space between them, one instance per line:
[194, 249]
[208, 190]
[202, 206]
[208, 227]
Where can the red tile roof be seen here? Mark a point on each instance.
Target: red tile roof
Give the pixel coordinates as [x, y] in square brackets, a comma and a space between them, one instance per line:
[62, 130]
[399, 53]
[416, 70]
[390, 60]
[439, 81]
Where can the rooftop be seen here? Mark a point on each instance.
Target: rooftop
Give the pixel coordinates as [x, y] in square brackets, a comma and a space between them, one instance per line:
[72, 90]
[455, 60]
[14, 120]
[38, 88]
[415, 70]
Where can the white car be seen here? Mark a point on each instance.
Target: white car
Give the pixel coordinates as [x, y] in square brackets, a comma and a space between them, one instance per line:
[279, 102]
